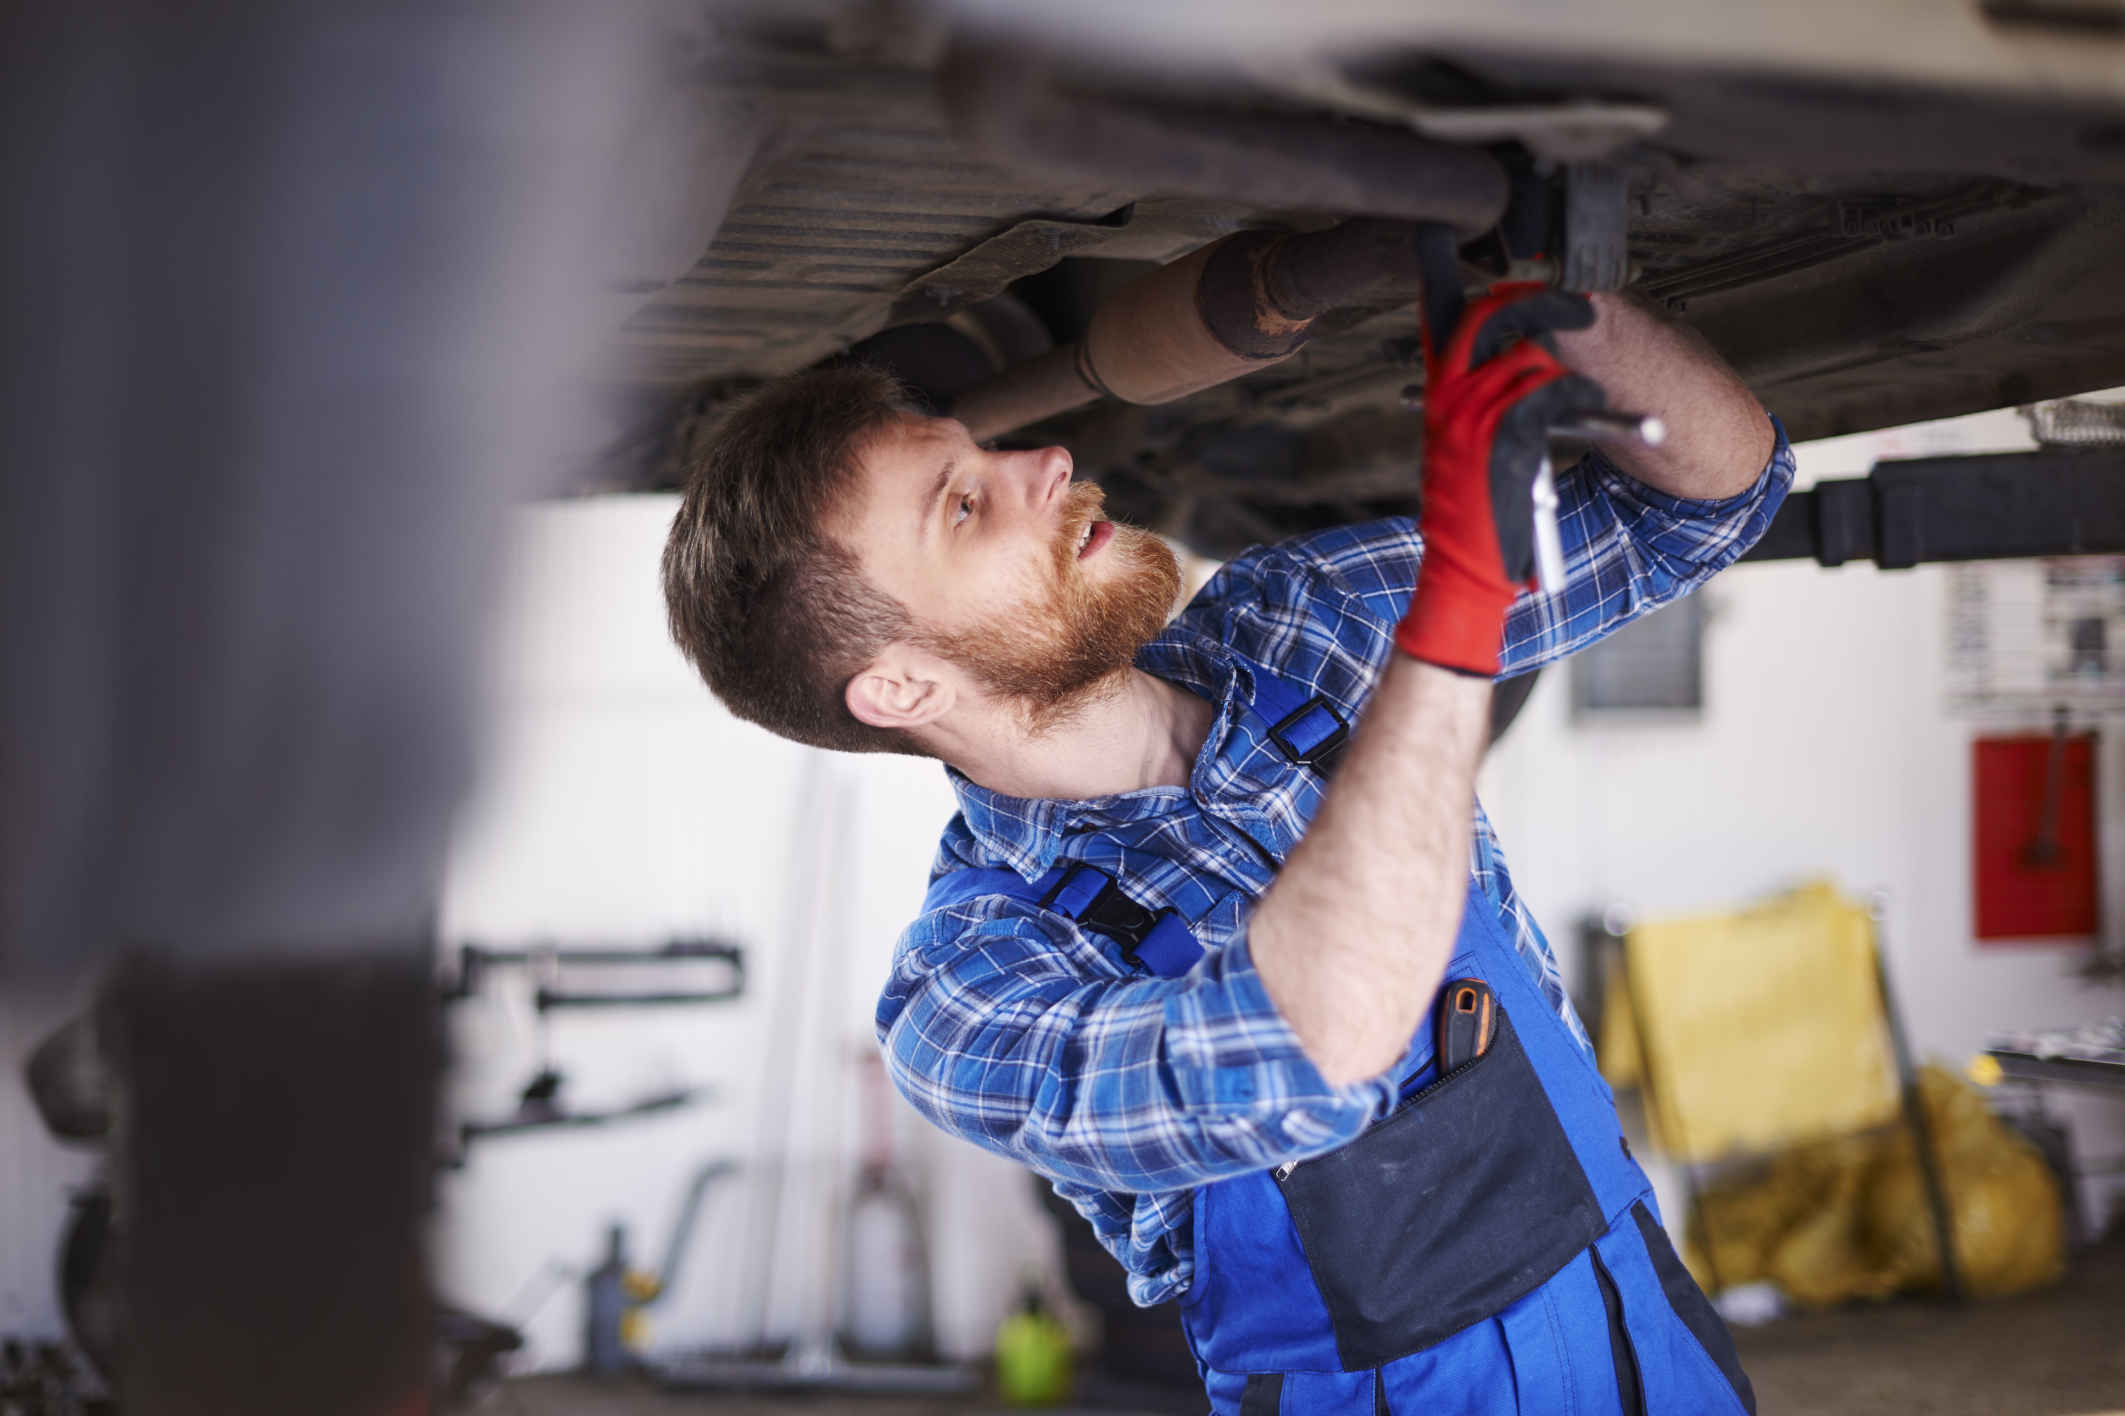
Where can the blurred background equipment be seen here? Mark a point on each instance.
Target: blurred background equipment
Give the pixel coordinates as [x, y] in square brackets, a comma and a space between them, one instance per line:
[1144, 1361]
[886, 1314]
[299, 301]
[1033, 1358]
[41, 1379]
[1765, 1041]
[801, 1167]
[680, 972]
[618, 1298]
[1844, 1219]
[1753, 1029]
[2034, 835]
[2092, 1054]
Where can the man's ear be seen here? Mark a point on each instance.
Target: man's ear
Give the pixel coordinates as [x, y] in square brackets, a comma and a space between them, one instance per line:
[903, 688]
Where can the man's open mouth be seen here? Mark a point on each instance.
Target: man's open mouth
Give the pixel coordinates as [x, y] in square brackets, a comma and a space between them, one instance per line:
[1095, 535]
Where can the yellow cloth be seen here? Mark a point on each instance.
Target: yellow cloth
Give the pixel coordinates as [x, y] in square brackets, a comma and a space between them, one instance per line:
[1755, 1030]
[1848, 1218]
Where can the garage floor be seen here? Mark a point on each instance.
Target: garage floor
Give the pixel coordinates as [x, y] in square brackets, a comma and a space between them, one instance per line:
[2057, 1353]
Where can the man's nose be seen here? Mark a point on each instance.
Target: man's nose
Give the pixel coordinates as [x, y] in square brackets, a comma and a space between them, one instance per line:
[1043, 473]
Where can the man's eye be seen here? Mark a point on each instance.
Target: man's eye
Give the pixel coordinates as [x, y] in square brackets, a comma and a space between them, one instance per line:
[966, 509]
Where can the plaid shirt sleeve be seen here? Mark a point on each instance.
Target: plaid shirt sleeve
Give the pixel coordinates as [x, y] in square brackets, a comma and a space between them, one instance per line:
[1006, 1025]
[1629, 549]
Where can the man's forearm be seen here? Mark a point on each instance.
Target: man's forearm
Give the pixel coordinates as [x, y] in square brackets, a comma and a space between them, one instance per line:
[1719, 437]
[1353, 938]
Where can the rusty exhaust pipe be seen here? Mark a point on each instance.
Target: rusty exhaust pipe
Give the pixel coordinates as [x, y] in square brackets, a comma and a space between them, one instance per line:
[1237, 305]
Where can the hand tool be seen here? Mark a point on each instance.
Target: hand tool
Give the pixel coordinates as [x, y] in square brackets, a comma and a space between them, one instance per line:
[1443, 304]
[1467, 1023]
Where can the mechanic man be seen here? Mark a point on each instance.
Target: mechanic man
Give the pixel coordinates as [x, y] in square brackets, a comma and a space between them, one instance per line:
[1168, 960]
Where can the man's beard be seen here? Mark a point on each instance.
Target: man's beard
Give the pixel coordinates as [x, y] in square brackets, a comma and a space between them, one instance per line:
[1051, 659]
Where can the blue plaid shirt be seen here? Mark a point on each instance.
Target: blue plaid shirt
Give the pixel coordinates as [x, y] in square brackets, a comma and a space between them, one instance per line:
[1013, 1027]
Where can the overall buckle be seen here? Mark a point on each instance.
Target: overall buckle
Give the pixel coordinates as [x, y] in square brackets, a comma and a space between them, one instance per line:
[1312, 736]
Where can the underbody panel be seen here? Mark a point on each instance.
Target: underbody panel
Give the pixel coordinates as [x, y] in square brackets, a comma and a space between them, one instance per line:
[1867, 249]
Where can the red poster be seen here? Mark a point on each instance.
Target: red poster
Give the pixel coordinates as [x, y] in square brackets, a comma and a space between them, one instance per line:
[2035, 837]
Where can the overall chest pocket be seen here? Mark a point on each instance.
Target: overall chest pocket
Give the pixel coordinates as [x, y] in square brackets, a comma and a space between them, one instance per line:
[1464, 1200]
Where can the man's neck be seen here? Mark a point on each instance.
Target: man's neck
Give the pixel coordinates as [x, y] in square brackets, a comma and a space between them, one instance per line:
[1141, 732]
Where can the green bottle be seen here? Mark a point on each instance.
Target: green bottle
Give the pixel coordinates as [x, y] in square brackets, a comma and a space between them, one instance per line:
[1033, 1355]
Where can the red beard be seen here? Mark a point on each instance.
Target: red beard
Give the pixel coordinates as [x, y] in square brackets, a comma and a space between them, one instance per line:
[1053, 658]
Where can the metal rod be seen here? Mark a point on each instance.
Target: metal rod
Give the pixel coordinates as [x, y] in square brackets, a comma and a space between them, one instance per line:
[1587, 425]
[689, 1210]
[1549, 541]
[1601, 425]
[1915, 1114]
[555, 998]
[677, 949]
[475, 960]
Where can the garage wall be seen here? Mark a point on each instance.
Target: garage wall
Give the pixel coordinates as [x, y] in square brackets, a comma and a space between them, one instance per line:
[1826, 748]
[37, 1176]
[623, 806]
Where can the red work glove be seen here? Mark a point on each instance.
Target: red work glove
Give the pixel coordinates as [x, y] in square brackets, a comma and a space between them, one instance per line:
[1489, 400]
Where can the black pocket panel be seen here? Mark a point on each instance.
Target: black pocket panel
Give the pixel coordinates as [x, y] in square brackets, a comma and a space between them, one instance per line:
[1463, 1201]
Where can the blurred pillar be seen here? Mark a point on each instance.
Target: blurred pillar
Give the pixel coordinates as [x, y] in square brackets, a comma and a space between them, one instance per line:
[295, 297]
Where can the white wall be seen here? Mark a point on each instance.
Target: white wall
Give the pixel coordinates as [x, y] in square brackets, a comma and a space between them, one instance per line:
[37, 1175]
[1826, 748]
[624, 806]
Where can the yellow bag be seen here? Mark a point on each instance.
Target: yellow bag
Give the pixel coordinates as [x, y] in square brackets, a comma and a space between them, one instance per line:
[2009, 1224]
[1848, 1218]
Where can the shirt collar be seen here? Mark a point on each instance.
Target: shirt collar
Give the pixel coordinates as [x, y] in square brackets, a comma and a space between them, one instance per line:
[1026, 833]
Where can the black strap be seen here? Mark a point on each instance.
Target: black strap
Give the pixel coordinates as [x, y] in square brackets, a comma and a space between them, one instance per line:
[1263, 1395]
[1439, 267]
[1089, 895]
[1630, 1392]
[1160, 940]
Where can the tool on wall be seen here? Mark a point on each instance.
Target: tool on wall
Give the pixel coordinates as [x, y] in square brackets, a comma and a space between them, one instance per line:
[539, 1108]
[681, 972]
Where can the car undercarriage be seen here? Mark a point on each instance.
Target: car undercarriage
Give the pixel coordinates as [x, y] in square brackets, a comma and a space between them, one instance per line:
[1865, 250]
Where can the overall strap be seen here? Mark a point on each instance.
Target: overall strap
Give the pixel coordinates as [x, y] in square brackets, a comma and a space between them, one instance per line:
[1307, 730]
[1160, 940]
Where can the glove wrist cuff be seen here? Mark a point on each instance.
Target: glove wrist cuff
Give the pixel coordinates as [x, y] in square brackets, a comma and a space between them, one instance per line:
[1455, 625]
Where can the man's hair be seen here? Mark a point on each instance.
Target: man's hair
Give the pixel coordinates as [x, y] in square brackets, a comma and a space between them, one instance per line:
[775, 614]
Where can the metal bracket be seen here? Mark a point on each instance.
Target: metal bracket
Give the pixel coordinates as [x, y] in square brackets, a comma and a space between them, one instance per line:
[1596, 237]
[1998, 506]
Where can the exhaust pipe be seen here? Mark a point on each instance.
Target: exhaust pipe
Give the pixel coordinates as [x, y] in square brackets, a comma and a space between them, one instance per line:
[1230, 308]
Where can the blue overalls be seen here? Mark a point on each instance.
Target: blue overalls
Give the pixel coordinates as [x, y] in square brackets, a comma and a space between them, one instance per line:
[1490, 1246]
